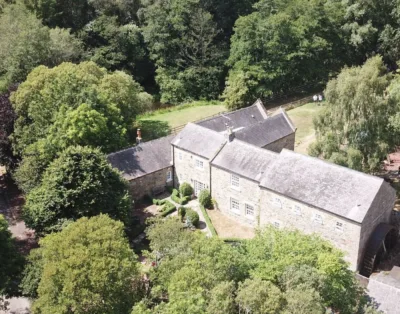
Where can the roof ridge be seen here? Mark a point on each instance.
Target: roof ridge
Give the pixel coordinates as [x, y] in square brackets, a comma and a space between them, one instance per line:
[135, 146]
[257, 147]
[334, 165]
[227, 113]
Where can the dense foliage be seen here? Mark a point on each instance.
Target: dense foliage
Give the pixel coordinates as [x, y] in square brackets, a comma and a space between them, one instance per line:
[11, 262]
[88, 267]
[360, 123]
[72, 104]
[26, 43]
[276, 272]
[79, 183]
[7, 119]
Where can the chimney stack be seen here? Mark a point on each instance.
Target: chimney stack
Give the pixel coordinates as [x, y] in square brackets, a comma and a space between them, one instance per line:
[139, 137]
[230, 135]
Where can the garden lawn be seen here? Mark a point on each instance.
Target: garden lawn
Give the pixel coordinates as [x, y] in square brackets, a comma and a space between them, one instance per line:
[180, 117]
[302, 118]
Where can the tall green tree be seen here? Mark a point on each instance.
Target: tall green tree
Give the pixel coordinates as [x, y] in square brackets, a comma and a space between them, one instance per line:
[182, 39]
[72, 104]
[80, 183]
[359, 120]
[25, 43]
[87, 268]
[284, 44]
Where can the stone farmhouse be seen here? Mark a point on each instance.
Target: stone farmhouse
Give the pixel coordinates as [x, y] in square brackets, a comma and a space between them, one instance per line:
[246, 160]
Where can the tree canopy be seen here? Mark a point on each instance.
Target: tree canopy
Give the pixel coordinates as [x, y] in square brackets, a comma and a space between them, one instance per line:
[72, 104]
[26, 43]
[359, 124]
[86, 268]
[276, 272]
[79, 183]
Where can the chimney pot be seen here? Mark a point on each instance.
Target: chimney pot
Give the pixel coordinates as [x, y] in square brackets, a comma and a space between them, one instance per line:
[230, 135]
[139, 136]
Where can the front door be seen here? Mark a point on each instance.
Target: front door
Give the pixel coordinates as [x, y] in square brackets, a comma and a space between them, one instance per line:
[198, 187]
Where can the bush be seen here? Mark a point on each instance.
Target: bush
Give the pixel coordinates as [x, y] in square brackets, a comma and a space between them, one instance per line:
[205, 198]
[180, 200]
[175, 196]
[192, 218]
[185, 189]
[159, 202]
[170, 189]
[167, 208]
[182, 211]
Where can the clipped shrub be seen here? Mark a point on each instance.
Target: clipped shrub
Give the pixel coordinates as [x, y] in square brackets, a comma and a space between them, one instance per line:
[205, 198]
[180, 200]
[159, 202]
[182, 212]
[167, 208]
[175, 196]
[192, 217]
[185, 189]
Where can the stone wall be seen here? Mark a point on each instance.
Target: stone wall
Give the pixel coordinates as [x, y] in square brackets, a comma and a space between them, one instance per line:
[380, 212]
[285, 142]
[284, 212]
[186, 169]
[144, 185]
[247, 193]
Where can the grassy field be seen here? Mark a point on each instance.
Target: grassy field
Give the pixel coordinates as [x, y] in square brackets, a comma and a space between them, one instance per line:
[302, 118]
[189, 114]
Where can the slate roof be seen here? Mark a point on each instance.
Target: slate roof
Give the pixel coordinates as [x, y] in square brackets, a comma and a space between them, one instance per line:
[267, 131]
[146, 158]
[199, 140]
[244, 159]
[384, 289]
[241, 118]
[324, 185]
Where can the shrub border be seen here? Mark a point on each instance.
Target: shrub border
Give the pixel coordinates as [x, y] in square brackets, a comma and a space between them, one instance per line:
[208, 221]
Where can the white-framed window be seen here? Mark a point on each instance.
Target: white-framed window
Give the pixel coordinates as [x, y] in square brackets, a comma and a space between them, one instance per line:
[276, 224]
[339, 226]
[180, 156]
[235, 205]
[297, 210]
[318, 218]
[169, 176]
[277, 202]
[249, 210]
[199, 164]
[235, 181]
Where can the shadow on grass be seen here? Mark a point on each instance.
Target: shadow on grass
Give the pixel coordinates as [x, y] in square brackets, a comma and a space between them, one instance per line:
[153, 129]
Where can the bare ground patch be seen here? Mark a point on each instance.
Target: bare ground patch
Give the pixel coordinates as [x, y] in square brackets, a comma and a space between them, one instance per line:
[228, 228]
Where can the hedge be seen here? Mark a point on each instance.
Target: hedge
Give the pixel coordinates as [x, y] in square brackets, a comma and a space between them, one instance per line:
[167, 208]
[208, 221]
[159, 202]
[180, 200]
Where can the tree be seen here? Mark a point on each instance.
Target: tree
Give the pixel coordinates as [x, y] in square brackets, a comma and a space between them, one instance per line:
[182, 39]
[72, 105]
[87, 268]
[79, 183]
[7, 118]
[11, 262]
[361, 102]
[258, 296]
[282, 45]
[25, 43]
